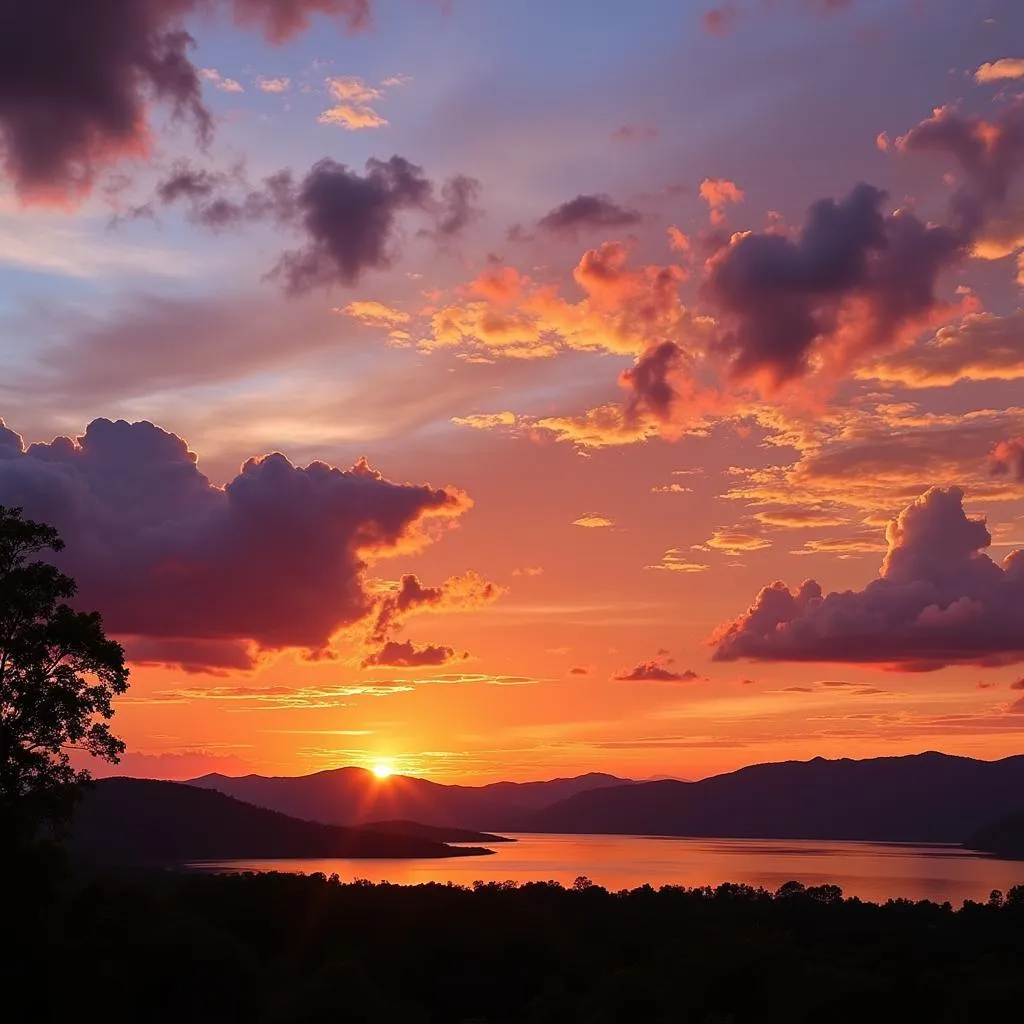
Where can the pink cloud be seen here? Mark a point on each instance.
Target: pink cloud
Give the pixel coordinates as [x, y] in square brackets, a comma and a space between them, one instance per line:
[275, 559]
[939, 600]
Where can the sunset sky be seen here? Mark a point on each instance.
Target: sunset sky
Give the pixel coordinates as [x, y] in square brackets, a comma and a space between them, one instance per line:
[577, 325]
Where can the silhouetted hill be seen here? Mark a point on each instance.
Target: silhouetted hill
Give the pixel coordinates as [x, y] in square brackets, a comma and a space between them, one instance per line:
[432, 832]
[143, 821]
[354, 796]
[928, 797]
[1004, 838]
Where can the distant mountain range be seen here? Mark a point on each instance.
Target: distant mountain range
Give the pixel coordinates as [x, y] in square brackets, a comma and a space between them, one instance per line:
[925, 798]
[142, 821]
[354, 796]
[929, 798]
[1003, 838]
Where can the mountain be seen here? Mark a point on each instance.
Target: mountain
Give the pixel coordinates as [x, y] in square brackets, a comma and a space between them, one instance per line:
[142, 821]
[354, 796]
[929, 798]
[1003, 838]
[432, 832]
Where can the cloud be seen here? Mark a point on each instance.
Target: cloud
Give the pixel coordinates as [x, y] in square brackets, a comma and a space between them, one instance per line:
[348, 220]
[733, 542]
[275, 559]
[457, 593]
[624, 310]
[408, 655]
[1007, 459]
[579, 670]
[593, 521]
[656, 671]
[273, 85]
[989, 153]
[529, 570]
[457, 208]
[1017, 684]
[999, 70]
[675, 560]
[719, 193]
[588, 211]
[375, 314]
[78, 80]
[982, 346]
[853, 279]
[939, 600]
[218, 81]
[352, 108]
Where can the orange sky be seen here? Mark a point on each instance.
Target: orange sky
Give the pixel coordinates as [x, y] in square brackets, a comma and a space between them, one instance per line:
[621, 334]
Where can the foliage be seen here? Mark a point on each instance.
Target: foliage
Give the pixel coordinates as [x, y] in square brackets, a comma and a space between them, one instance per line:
[58, 676]
[288, 949]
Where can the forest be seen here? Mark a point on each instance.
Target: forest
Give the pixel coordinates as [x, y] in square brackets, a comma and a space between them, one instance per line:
[282, 949]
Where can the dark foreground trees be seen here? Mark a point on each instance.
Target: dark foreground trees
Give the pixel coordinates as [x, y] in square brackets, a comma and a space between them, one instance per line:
[58, 676]
[284, 949]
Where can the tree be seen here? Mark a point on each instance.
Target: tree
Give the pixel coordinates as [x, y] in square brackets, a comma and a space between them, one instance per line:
[58, 676]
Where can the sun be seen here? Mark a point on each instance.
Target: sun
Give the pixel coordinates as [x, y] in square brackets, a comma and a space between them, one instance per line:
[382, 769]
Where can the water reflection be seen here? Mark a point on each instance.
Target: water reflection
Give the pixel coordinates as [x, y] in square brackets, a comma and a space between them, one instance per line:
[871, 871]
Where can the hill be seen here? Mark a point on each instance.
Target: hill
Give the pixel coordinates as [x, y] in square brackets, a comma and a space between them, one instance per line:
[354, 796]
[432, 832]
[1003, 838]
[929, 798]
[142, 821]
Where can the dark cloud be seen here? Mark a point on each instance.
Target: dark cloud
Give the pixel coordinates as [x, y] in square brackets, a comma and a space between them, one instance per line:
[654, 383]
[656, 671]
[77, 79]
[940, 600]
[852, 271]
[276, 559]
[1017, 684]
[348, 219]
[579, 670]
[458, 206]
[989, 153]
[1006, 459]
[456, 593]
[588, 211]
[408, 655]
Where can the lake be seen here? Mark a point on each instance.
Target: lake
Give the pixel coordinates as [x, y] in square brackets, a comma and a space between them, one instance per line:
[870, 871]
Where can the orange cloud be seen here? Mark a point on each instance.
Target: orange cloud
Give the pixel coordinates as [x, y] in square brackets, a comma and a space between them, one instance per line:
[719, 193]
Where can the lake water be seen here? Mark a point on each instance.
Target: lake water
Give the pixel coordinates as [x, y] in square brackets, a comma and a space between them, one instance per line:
[870, 871]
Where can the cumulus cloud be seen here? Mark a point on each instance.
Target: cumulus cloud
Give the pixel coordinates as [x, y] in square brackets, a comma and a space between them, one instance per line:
[352, 98]
[983, 346]
[939, 600]
[276, 559]
[624, 310]
[1000, 70]
[347, 219]
[273, 85]
[409, 655]
[854, 277]
[588, 211]
[219, 81]
[656, 671]
[77, 80]
[719, 193]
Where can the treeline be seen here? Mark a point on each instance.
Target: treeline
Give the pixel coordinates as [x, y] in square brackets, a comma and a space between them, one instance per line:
[278, 949]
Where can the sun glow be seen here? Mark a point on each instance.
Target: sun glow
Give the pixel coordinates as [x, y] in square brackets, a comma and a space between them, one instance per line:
[382, 769]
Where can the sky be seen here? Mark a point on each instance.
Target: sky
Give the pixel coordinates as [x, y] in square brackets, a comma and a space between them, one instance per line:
[514, 390]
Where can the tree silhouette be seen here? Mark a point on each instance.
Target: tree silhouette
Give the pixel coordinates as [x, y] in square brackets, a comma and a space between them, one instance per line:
[58, 676]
